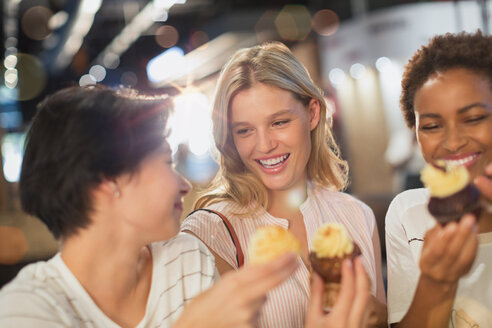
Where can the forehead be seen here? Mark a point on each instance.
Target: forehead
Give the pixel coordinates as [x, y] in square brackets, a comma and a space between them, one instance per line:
[452, 89]
[263, 100]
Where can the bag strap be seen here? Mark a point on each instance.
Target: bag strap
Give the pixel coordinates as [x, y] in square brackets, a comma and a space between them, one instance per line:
[232, 233]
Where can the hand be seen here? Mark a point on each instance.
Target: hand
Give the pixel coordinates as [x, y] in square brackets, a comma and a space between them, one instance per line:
[448, 252]
[350, 308]
[484, 183]
[236, 299]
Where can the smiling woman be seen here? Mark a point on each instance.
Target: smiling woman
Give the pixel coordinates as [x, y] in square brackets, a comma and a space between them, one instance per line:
[439, 276]
[279, 166]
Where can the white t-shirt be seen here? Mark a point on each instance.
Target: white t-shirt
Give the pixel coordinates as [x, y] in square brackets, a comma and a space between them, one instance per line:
[47, 294]
[407, 221]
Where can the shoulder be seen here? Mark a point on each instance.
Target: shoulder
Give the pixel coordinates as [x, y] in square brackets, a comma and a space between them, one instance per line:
[182, 243]
[341, 198]
[35, 297]
[408, 211]
[405, 201]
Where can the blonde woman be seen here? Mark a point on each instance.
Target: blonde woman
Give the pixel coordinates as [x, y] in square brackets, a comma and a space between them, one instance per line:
[279, 165]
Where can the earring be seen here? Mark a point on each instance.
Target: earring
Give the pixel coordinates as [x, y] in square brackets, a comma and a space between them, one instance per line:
[116, 190]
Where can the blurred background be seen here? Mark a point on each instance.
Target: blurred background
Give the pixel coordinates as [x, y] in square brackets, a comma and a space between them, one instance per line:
[354, 49]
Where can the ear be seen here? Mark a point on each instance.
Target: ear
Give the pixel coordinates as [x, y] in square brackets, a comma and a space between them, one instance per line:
[109, 188]
[314, 109]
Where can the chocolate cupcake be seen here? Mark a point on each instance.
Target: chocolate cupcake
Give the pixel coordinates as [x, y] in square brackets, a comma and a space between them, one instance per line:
[451, 193]
[269, 243]
[331, 246]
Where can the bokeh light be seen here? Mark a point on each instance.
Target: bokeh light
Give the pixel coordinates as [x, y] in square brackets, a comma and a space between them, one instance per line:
[325, 22]
[31, 76]
[293, 22]
[191, 123]
[336, 76]
[87, 79]
[111, 60]
[383, 63]
[357, 71]
[98, 72]
[170, 62]
[10, 61]
[265, 23]
[35, 22]
[198, 39]
[129, 79]
[166, 36]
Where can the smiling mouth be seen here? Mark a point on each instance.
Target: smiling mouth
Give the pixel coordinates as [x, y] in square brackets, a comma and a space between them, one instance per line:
[272, 163]
[462, 161]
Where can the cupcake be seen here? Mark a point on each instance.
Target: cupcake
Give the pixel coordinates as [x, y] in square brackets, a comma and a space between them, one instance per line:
[269, 243]
[451, 193]
[331, 245]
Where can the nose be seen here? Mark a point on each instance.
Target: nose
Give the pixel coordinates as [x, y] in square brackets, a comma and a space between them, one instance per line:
[454, 139]
[265, 141]
[184, 186]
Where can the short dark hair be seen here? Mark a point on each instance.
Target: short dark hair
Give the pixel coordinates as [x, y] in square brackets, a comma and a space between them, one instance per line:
[471, 51]
[78, 137]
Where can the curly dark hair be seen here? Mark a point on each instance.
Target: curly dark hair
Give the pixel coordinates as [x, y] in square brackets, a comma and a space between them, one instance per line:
[471, 51]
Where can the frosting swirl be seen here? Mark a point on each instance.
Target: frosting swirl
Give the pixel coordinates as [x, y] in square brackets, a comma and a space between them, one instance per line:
[332, 240]
[444, 182]
[269, 243]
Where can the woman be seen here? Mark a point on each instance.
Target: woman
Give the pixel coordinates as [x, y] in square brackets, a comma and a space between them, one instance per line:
[98, 172]
[279, 165]
[440, 276]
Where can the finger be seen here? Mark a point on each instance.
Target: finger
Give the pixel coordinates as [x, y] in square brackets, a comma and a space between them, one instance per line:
[316, 299]
[347, 290]
[484, 184]
[488, 169]
[467, 254]
[435, 242]
[362, 295]
[458, 234]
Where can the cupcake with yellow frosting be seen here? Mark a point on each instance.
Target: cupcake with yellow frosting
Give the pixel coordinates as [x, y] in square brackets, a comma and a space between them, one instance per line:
[331, 245]
[269, 243]
[451, 193]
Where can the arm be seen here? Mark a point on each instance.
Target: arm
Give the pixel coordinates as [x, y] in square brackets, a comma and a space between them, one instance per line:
[236, 299]
[350, 308]
[220, 263]
[447, 254]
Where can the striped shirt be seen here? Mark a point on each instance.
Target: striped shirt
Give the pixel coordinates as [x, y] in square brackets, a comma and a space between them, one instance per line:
[287, 304]
[47, 294]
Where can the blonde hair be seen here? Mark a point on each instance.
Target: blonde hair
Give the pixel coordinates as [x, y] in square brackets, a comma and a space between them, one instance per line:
[275, 65]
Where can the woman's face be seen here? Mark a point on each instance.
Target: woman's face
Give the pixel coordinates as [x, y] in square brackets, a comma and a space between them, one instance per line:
[152, 197]
[271, 132]
[454, 119]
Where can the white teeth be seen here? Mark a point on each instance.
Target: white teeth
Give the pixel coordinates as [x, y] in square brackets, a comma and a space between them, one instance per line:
[273, 161]
[462, 161]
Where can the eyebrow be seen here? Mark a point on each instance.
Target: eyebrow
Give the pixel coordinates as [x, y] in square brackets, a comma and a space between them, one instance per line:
[461, 110]
[274, 115]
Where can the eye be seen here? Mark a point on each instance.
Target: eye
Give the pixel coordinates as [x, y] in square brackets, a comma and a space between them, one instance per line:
[476, 119]
[280, 122]
[429, 127]
[243, 131]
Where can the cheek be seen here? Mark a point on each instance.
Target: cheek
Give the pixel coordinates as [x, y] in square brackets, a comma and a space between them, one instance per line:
[427, 146]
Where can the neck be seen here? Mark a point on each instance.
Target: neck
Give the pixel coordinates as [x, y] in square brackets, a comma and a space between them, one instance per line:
[110, 268]
[286, 203]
